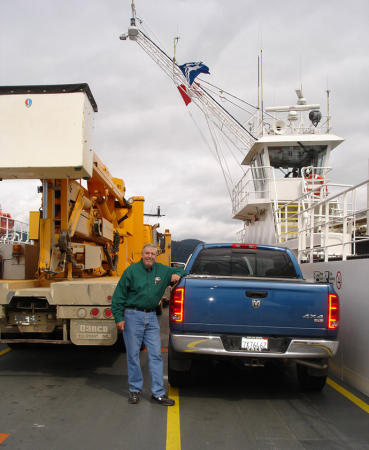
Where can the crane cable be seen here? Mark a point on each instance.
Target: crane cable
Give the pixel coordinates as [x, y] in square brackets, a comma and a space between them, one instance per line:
[226, 173]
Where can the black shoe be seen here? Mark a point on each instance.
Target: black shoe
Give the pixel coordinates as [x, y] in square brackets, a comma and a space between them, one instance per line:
[162, 400]
[134, 398]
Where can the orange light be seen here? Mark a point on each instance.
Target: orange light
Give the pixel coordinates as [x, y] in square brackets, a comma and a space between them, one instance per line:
[176, 305]
[17, 250]
[333, 312]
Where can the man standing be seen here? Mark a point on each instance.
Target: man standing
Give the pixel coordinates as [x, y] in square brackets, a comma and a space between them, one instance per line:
[135, 299]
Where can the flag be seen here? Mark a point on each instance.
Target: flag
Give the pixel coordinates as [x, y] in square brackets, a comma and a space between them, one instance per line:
[191, 70]
[183, 92]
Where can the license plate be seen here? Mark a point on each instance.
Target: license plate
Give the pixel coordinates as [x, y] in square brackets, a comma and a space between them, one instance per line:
[25, 320]
[254, 344]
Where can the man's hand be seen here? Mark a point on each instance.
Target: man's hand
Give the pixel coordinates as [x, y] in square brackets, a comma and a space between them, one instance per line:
[120, 325]
[175, 278]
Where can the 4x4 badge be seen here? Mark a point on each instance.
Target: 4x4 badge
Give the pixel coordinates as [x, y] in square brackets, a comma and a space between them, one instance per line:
[255, 303]
[313, 316]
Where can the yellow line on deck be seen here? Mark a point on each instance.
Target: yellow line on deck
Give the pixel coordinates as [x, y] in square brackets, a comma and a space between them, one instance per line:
[7, 350]
[348, 395]
[173, 424]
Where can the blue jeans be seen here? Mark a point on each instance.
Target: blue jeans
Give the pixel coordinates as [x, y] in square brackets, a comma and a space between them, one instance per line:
[140, 326]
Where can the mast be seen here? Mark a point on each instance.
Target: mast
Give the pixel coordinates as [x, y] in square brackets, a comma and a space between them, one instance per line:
[329, 119]
[258, 124]
[176, 39]
[133, 19]
[262, 94]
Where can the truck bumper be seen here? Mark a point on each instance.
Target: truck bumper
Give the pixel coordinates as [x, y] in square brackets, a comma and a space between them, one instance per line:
[213, 345]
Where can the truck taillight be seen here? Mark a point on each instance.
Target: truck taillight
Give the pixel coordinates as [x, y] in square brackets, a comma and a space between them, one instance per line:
[333, 312]
[95, 312]
[176, 305]
[107, 313]
[242, 245]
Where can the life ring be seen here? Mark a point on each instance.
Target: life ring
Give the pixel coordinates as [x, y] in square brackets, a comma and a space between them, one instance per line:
[321, 181]
[5, 223]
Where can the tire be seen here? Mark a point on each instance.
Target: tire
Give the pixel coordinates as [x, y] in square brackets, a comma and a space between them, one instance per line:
[159, 308]
[179, 378]
[13, 345]
[16, 345]
[179, 368]
[309, 382]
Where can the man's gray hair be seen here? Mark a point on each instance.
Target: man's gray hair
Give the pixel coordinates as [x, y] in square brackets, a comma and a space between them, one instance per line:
[149, 245]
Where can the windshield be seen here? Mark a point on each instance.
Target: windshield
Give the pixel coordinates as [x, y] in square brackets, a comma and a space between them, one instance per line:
[243, 262]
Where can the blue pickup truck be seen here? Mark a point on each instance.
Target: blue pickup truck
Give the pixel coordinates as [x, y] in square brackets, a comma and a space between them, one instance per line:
[250, 304]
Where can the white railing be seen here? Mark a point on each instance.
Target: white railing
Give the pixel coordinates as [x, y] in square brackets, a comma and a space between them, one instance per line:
[261, 182]
[255, 184]
[322, 222]
[240, 235]
[13, 231]
[323, 127]
[262, 126]
[326, 227]
[314, 189]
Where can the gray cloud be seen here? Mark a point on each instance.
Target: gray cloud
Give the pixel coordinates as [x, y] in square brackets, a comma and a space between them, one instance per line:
[143, 131]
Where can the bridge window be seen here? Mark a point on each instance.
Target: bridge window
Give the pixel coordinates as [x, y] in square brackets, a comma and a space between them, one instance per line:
[290, 156]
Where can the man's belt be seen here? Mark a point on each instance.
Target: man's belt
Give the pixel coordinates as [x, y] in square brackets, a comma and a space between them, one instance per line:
[141, 309]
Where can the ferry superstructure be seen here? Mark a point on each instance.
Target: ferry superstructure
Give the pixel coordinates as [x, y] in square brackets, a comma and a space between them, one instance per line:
[286, 198]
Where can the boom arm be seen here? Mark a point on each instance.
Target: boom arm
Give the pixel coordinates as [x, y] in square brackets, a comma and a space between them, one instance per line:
[213, 111]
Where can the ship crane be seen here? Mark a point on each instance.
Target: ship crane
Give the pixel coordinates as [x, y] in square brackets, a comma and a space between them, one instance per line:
[216, 116]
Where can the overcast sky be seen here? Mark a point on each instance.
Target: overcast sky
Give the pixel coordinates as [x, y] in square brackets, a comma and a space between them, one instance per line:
[143, 131]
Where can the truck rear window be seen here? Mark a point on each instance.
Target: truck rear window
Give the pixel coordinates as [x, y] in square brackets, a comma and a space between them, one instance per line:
[243, 263]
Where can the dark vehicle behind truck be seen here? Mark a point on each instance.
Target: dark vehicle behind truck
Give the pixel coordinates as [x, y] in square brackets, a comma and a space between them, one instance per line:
[250, 304]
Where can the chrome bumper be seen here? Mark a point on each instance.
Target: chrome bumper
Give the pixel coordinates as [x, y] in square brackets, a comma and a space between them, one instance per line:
[213, 345]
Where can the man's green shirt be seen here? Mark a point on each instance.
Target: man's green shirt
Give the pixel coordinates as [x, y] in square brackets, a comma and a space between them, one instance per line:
[140, 287]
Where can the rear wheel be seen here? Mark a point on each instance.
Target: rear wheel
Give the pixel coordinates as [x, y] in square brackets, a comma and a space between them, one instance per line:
[179, 368]
[16, 345]
[309, 382]
[179, 378]
[13, 345]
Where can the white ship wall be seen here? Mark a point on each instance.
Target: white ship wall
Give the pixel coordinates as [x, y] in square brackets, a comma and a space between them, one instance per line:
[351, 363]
[262, 231]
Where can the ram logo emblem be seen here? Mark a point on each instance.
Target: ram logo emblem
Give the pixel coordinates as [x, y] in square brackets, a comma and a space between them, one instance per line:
[255, 303]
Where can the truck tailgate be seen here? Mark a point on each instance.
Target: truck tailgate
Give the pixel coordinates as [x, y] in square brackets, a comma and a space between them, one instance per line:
[255, 307]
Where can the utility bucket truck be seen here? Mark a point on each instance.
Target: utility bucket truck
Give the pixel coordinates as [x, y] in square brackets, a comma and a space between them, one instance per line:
[57, 277]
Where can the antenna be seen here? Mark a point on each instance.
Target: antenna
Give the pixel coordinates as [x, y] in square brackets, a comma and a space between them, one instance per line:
[261, 85]
[176, 39]
[261, 78]
[258, 82]
[133, 19]
[329, 118]
[258, 65]
[301, 99]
